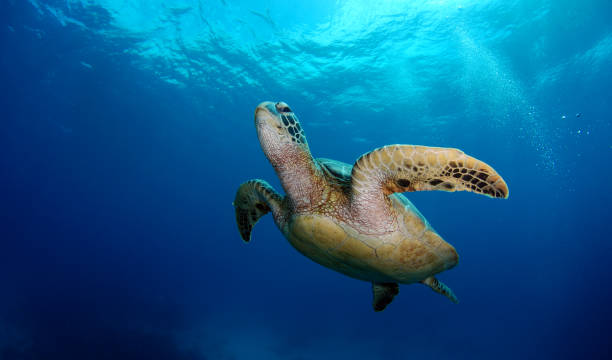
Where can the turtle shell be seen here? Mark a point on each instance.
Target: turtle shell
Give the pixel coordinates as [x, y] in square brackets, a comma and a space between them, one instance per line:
[410, 254]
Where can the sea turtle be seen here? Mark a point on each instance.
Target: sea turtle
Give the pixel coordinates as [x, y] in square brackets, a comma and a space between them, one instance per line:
[354, 219]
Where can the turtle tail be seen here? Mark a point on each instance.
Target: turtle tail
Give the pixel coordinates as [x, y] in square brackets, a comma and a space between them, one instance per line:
[254, 199]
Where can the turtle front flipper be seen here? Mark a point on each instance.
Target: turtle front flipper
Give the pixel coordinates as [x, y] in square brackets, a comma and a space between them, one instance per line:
[254, 199]
[441, 288]
[383, 294]
[401, 168]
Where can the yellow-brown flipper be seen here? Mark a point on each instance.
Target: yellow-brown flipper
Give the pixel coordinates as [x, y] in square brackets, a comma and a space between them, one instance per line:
[441, 288]
[254, 199]
[401, 168]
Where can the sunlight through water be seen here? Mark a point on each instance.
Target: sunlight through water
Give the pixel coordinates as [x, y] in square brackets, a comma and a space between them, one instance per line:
[396, 54]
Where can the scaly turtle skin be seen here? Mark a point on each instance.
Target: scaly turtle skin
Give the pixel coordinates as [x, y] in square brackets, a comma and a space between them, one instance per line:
[353, 219]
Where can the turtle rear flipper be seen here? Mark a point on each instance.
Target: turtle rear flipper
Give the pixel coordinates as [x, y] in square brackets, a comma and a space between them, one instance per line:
[441, 288]
[383, 294]
[254, 199]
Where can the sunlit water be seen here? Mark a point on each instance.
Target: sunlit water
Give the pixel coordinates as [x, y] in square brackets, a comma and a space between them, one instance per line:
[128, 127]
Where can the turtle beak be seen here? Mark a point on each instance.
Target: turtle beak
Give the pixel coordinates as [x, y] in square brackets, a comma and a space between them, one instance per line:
[264, 112]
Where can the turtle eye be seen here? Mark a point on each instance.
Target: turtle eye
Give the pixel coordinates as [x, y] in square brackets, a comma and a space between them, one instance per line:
[283, 108]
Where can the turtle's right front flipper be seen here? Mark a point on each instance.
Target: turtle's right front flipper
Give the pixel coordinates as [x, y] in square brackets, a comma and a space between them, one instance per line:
[254, 199]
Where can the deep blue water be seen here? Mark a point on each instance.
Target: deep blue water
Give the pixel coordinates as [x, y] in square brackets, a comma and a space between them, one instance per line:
[128, 126]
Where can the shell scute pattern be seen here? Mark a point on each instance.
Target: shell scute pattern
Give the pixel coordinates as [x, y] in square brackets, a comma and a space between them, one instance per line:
[331, 245]
[405, 256]
[385, 251]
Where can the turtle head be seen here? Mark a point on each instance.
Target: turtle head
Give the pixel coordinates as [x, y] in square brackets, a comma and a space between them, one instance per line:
[282, 140]
[279, 132]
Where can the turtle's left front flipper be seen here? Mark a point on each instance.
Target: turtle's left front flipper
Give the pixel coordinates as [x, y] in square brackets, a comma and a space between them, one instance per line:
[401, 168]
[254, 199]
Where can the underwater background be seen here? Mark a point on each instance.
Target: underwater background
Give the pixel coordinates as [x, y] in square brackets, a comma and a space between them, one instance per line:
[127, 126]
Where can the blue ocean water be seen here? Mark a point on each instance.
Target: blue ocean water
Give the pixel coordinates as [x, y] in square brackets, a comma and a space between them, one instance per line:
[127, 127]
